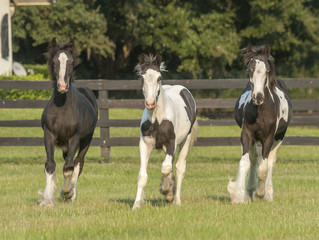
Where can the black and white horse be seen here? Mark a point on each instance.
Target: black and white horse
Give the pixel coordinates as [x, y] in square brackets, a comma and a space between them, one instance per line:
[68, 121]
[263, 111]
[168, 121]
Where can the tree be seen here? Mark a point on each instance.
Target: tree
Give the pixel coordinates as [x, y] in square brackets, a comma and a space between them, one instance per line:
[200, 38]
[76, 19]
[292, 29]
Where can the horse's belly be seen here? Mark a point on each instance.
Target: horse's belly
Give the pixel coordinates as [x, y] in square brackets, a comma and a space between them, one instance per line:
[183, 129]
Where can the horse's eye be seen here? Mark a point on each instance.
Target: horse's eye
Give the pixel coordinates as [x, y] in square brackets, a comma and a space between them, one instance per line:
[159, 79]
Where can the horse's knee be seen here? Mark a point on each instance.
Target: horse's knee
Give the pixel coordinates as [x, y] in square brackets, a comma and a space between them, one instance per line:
[142, 180]
[167, 167]
[50, 166]
[68, 166]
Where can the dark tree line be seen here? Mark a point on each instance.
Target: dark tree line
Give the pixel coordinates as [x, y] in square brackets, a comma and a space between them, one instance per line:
[197, 38]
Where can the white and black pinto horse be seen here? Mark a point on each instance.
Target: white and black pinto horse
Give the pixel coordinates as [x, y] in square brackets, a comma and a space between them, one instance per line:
[68, 121]
[263, 111]
[168, 121]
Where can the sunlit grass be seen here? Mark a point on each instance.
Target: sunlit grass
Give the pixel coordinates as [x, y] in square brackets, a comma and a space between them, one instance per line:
[106, 192]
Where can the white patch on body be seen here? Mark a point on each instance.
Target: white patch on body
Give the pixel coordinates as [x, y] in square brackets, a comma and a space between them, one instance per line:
[283, 107]
[63, 58]
[245, 98]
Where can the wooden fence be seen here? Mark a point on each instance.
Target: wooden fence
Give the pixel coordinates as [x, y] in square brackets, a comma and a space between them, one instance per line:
[105, 86]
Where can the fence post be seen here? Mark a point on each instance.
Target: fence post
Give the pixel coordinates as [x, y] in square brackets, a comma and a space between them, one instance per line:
[104, 131]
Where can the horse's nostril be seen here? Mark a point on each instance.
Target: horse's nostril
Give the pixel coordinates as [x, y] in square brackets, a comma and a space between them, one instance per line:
[260, 96]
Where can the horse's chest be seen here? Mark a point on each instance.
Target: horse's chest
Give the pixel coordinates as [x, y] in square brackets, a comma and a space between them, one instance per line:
[163, 133]
[62, 125]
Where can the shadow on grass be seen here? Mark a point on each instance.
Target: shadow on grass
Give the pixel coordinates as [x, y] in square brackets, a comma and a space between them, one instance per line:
[222, 199]
[159, 202]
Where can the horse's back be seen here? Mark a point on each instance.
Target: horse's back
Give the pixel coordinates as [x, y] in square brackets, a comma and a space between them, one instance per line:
[180, 97]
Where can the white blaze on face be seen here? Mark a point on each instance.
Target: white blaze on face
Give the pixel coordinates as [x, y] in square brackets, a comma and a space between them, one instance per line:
[63, 58]
[151, 86]
[259, 77]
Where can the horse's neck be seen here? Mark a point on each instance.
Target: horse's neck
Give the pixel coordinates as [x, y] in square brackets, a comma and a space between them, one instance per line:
[61, 99]
[158, 113]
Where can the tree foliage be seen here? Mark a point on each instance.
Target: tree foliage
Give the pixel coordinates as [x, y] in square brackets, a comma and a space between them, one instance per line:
[199, 38]
[76, 19]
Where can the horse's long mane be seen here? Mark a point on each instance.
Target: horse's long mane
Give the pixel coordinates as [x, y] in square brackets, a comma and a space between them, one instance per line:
[149, 61]
[262, 53]
[54, 47]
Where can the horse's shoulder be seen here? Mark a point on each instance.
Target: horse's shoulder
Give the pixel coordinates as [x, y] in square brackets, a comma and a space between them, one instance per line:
[88, 95]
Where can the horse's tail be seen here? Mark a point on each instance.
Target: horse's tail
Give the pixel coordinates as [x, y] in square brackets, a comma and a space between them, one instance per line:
[194, 133]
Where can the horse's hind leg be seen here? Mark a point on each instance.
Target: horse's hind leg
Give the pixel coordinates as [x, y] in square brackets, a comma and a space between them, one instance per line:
[48, 196]
[181, 168]
[271, 162]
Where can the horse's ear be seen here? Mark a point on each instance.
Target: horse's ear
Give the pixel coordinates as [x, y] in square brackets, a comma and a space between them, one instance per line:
[72, 47]
[53, 43]
[141, 59]
[267, 50]
[158, 60]
[249, 48]
[51, 49]
[71, 42]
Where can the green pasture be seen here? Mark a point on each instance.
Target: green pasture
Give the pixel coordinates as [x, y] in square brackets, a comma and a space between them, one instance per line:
[106, 192]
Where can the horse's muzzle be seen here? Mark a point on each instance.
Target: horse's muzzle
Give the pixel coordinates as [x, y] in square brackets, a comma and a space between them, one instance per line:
[259, 99]
[150, 106]
[63, 88]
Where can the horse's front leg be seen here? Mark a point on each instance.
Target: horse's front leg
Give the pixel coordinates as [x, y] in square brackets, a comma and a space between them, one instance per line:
[254, 155]
[167, 186]
[237, 189]
[48, 196]
[67, 191]
[145, 152]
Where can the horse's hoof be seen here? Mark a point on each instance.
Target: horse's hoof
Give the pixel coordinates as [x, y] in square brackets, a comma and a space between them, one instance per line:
[177, 202]
[67, 195]
[45, 200]
[236, 195]
[137, 205]
[268, 197]
[170, 197]
[165, 186]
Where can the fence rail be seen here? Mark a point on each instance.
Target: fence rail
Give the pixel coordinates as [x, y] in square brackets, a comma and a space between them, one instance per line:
[104, 123]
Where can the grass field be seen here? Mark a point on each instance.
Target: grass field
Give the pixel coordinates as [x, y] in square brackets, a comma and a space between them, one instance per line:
[106, 193]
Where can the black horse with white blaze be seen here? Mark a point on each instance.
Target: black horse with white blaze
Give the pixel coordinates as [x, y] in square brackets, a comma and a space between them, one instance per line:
[68, 121]
[168, 121]
[263, 111]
